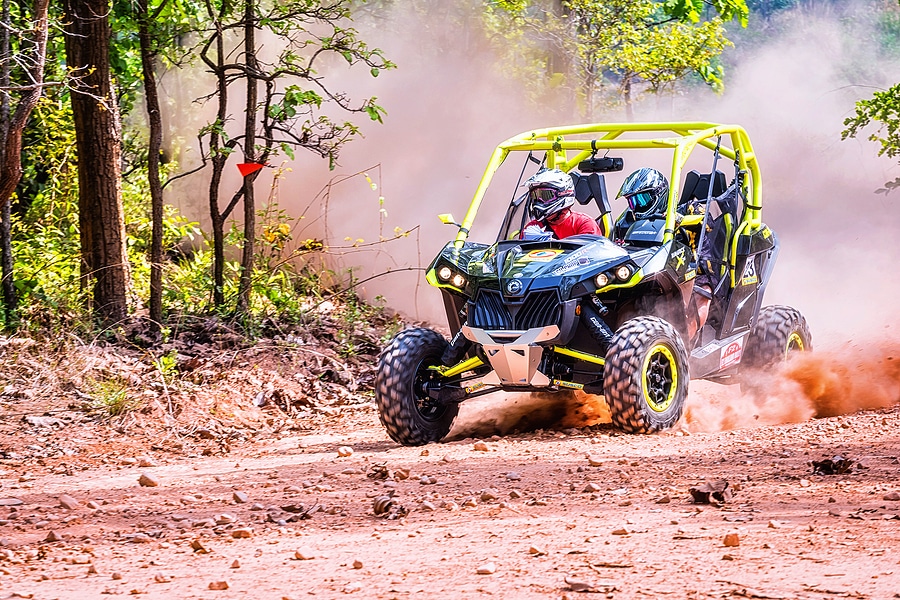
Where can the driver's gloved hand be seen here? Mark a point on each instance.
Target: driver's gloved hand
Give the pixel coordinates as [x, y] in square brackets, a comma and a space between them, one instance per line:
[536, 233]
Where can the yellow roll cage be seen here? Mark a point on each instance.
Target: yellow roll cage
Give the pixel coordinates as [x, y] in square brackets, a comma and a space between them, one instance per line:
[566, 146]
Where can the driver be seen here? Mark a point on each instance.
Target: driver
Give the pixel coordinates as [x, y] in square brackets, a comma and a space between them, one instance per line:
[647, 191]
[551, 195]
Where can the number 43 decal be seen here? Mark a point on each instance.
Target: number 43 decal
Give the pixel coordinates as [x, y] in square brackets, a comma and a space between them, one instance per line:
[749, 277]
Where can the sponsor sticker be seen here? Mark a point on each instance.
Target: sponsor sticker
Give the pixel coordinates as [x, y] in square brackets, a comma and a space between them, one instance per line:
[731, 354]
[678, 257]
[571, 264]
[749, 277]
[475, 387]
[568, 384]
[690, 275]
[542, 255]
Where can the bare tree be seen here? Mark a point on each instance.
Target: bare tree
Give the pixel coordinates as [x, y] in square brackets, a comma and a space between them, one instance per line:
[288, 115]
[154, 120]
[30, 61]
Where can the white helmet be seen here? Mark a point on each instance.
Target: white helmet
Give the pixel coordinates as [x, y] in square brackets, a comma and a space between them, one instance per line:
[550, 191]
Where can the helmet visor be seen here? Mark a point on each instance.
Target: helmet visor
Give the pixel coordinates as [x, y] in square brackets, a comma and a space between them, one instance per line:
[542, 195]
[640, 201]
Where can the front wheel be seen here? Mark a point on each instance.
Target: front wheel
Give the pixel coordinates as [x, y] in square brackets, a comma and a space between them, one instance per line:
[646, 376]
[408, 414]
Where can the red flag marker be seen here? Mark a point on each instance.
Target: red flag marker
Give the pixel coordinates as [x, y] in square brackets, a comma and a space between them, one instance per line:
[247, 168]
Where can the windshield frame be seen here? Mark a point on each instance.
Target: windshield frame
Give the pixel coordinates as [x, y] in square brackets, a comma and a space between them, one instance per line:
[565, 147]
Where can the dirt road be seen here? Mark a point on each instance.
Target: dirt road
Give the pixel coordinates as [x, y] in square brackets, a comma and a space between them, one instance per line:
[534, 514]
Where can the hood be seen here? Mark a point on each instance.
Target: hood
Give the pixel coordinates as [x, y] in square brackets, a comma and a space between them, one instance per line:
[550, 264]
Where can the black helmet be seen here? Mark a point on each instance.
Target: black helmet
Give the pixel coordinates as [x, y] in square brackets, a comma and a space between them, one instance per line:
[646, 191]
[550, 191]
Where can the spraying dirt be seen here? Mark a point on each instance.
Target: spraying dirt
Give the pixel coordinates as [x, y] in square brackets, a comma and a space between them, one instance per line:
[337, 511]
[446, 112]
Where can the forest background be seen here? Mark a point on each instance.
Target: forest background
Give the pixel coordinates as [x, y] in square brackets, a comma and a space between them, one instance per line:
[171, 162]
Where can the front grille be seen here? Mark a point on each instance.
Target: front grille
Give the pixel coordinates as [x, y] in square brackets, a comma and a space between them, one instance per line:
[489, 312]
[537, 309]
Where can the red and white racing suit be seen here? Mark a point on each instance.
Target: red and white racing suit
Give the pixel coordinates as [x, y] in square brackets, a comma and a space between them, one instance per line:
[570, 223]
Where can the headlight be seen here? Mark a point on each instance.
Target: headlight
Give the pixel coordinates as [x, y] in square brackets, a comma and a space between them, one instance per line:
[601, 280]
[444, 273]
[458, 281]
[623, 273]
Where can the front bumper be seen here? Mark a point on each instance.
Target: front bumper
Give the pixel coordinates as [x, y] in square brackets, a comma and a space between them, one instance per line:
[514, 355]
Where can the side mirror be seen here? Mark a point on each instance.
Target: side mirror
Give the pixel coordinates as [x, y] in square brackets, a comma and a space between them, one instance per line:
[447, 219]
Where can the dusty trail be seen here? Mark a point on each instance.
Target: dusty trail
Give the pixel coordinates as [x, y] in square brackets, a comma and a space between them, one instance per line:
[287, 517]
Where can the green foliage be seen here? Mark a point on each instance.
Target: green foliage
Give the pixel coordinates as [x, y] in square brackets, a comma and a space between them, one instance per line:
[354, 315]
[663, 55]
[883, 110]
[764, 8]
[187, 283]
[692, 10]
[298, 103]
[179, 236]
[46, 242]
[109, 397]
[45, 221]
[607, 51]
[275, 279]
[45, 225]
[889, 30]
[167, 366]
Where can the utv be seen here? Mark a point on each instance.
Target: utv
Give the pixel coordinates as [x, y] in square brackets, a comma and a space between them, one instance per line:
[604, 314]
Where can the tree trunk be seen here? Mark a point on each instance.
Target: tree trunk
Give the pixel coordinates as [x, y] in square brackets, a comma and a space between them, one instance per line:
[560, 62]
[9, 300]
[97, 133]
[218, 157]
[629, 107]
[250, 111]
[151, 97]
[12, 130]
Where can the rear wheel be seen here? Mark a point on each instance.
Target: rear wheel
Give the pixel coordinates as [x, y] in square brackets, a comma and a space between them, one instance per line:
[780, 332]
[646, 376]
[408, 414]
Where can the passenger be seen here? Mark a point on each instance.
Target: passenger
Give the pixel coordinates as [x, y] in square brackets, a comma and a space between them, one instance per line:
[647, 193]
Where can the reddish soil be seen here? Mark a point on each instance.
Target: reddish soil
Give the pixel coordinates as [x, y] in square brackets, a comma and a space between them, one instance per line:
[517, 505]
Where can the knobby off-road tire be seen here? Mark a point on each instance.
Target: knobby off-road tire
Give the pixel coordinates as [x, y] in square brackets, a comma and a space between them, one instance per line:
[780, 331]
[403, 405]
[646, 376]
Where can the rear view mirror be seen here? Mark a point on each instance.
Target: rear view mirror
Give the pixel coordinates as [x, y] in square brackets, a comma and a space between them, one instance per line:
[603, 164]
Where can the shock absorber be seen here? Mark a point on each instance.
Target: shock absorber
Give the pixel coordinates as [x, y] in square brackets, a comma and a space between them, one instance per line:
[592, 312]
[458, 347]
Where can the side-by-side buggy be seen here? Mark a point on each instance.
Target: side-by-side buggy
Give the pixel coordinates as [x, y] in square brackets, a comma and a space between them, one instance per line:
[606, 314]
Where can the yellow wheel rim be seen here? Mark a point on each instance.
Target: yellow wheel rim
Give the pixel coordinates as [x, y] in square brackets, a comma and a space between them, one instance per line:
[659, 378]
[795, 342]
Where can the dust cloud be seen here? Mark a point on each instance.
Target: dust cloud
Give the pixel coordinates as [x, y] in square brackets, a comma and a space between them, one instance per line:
[508, 412]
[840, 382]
[448, 106]
[838, 250]
[838, 253]
[824, 383]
